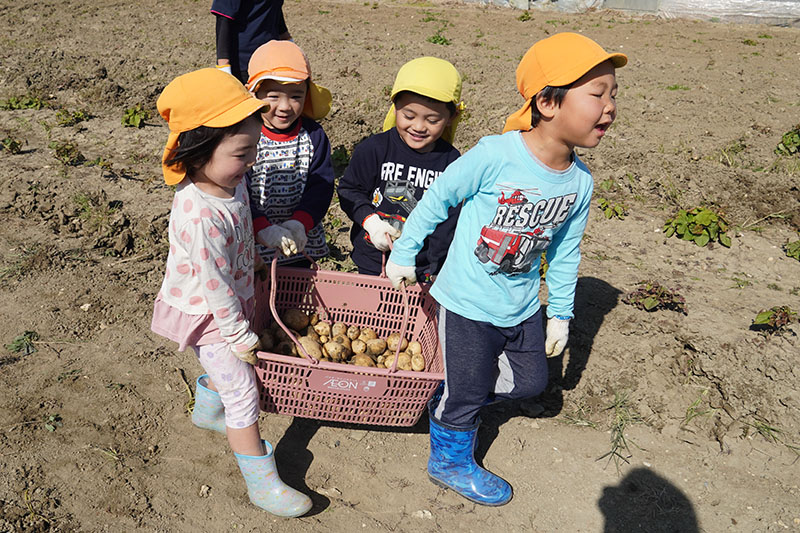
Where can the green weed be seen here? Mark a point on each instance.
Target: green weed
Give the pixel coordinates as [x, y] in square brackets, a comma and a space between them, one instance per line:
[700, 225]
[750, 42]
[790, 142]
[774, 320]
[11, 145]
[93, 211]
[438, 38]
[792, 249]
[23, 344]
[612, 210]
[23, 102]
[28, 259]
[694, 410]
[769, 432]
[53, 422]
[65, 117]
[134, 117]
[622, 417]
[524, 17]
[651, 296]
[340, 159]
[677, 87]
[67, 153]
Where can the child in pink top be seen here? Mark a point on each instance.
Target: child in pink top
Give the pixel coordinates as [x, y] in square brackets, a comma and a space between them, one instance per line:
[206, 300]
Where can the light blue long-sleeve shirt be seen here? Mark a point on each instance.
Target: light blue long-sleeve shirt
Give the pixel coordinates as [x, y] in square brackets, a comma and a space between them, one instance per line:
[514, 208]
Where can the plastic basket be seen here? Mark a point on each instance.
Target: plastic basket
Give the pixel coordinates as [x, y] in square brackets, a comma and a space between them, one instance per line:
[305, 387]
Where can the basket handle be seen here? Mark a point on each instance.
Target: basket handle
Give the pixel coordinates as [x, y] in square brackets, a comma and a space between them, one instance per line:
[273, 280]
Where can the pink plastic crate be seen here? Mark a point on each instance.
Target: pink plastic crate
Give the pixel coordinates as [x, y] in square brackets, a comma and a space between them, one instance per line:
[340, 392]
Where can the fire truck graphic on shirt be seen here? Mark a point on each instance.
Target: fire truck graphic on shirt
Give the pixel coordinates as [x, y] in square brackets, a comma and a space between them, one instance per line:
[518, 232]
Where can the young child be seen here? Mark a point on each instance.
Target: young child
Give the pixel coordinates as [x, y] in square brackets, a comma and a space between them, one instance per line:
[523, 192]
[241, 27]
[390, 171]
[206, 300]
[291, 183]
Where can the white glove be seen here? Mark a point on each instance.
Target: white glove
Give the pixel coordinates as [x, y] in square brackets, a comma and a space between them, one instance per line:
[298, 231]
[377, 229]
[398, 274]
[249, 355]
[225, 68]
[557, 335]
[276, 236]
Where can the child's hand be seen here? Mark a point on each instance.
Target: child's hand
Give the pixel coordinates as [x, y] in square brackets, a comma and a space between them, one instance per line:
[557, 335]
[276, 236]
[249, 355]
[298, 231]
[378, 230]
[398, 274]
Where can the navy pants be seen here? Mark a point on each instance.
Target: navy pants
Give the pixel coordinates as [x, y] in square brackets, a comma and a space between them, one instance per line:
[484, 362]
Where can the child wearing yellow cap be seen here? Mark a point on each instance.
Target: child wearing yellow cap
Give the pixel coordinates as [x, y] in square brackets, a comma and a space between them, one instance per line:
[522, 193]
[291, 182]
[389, 172]
[206, 300]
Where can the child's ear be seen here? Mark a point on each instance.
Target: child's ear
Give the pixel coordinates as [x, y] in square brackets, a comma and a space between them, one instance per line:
[547, 107]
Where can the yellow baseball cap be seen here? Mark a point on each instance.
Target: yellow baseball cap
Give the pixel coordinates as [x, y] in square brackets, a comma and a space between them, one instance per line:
[285, 61]
[431, 77]
[555, 61]
[205, 97]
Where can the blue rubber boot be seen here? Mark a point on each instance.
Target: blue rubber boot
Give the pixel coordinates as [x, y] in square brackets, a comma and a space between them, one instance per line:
[208, 412]
[265, 487]
[452, 465]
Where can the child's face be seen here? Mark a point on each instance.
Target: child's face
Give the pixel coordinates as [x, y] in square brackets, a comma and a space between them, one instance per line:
[285, 101]
[420, 122]
[588, 108]
[234, 156]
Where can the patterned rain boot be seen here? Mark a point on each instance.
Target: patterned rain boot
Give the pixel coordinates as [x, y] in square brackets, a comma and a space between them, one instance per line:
[208, 412]
[265, 487]
[452, 465]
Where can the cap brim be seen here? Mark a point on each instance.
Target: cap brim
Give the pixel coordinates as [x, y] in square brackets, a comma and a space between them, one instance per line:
[237, 113]
[252, 84]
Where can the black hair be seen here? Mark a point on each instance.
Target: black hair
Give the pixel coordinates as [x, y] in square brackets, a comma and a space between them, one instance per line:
[451, 107]
[195, 147]
[549, 94]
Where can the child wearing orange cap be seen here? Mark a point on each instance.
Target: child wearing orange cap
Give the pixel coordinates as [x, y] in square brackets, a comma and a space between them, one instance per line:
[206, 300]
[291, 182]
[389, 172]
[522, 193]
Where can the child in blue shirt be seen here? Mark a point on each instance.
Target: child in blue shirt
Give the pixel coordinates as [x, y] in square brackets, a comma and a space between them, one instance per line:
[522, 192]
[389, 172]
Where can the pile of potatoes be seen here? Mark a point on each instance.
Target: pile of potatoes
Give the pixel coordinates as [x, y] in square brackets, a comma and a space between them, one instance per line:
[340, 343]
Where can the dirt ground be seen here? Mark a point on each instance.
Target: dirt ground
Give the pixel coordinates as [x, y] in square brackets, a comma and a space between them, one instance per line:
[94, 429]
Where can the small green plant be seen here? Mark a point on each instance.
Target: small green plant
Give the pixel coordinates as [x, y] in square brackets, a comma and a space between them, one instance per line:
[134, 117]
[11, 145]
[769, 432]
[340, 159]
[740, 283]
[65, 117]
[612, 210]
[23, 102]
[774, 320]
[524, 17]
[67, 153]
[694, 410]
[790, 142]
[23, 344]
[699, 225]
[94, 211]
[623, 416]
[792, 249]
[677, 87]
[651, 296]
[438, 38]
[52, 422]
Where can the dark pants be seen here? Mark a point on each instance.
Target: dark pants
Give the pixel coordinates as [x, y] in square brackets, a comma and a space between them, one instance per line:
[484, 362]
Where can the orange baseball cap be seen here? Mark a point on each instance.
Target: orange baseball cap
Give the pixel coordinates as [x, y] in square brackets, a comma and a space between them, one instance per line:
[205, 97]
[284, 61]
[555, 61]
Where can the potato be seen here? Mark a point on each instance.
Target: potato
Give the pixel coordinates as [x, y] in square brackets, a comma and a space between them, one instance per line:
[403, 361]
[267, 340]
[414, 348]
[311, 332]
[361, 359]
[394, 339]
[344, 340]
[313, 319]
[323, 328]
[358, 346]
[367, 334]
[336, 351]
[376, 346]
[311, 346]
[381, 358]
[339, 328]
[286, 348]
[323, 339]
[353, 332]
[282, 336]
[417, 362]
[295, 319]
